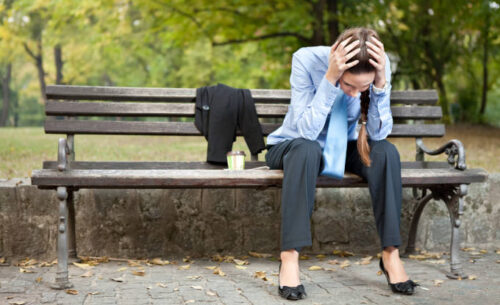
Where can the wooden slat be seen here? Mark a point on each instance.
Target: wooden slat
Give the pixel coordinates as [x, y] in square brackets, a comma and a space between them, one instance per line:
[427, 97]
[50, 178]
[200, 165]
[188, 109]
[188, 128]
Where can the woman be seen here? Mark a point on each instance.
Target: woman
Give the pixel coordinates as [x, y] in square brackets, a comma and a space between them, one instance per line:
[355, 68]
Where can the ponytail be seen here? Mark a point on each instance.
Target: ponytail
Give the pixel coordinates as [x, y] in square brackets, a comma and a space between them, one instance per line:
[363, 147]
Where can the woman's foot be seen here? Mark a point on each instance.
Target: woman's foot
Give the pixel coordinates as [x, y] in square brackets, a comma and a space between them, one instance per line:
[393, 265]
[289, 272]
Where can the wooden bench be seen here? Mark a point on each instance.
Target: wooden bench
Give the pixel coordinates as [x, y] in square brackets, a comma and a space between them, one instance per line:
[411, 111]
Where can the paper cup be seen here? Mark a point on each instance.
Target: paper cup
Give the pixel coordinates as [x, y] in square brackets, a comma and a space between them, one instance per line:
[236, 160]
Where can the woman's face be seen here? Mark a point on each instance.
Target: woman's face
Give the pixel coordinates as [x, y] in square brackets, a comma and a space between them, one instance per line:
[352, 84]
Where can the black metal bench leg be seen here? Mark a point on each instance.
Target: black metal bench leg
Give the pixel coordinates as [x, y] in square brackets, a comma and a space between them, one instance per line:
[62, 281]
[455, 206]
[71, 225]
[412, 235]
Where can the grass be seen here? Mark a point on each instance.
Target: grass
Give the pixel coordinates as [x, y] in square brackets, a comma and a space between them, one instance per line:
[24, 149]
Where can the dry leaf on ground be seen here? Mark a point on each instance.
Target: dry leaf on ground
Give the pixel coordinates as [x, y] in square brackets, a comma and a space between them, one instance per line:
[138, 272]
[47, 264]
[2, 260]
[260, 255]
[304, 257]
[210, 267]
[438, 282]
[93, 293]
[211, 293]
[241, 267]
[159, 262]
[71, 291]
[38, 279]
[315, 268]
[83, 266]
[118, 279]
[197, 287]
[133, 263]
[187, 259]
[483, 251]
[379, 272]
[497, 251]
[185, 267]
[261, 275]
[189, 302]
[193, 277]
[366, 260]
[345, 264]
[468, 249]
[219, 272]
[240, 262]
[162, 285]
[342, 253]
[472, 277]
[436, 261]
[122, 269]
[320, 256]
[333, 262]
[26, 270]
[87, 274]
[27, 262]
[17, 302]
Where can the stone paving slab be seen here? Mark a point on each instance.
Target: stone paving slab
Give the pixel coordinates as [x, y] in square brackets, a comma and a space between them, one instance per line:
[355, 284]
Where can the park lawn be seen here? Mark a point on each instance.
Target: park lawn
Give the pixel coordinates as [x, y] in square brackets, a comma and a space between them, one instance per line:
[24, 149]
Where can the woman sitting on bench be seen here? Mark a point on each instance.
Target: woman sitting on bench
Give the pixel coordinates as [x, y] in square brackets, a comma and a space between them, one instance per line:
[354, 71]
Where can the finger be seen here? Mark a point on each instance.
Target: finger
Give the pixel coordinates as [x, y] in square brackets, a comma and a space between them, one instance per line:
[352, 54]
[345, 42]
[375, 64]
[377, 42]
[334, 47]
[373, 47]
[351, 64]
[374, 55]
[351, 45]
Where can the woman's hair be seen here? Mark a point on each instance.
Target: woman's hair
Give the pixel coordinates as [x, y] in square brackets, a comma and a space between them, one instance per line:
[363, 66]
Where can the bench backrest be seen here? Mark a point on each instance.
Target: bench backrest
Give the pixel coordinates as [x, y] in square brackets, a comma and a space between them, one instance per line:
[101, 106]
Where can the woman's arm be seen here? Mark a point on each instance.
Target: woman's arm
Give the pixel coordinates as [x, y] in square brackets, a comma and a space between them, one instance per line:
[379, 123]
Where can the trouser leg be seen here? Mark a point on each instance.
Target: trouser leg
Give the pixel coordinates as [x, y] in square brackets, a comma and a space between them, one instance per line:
[301, 161]
[384, 183]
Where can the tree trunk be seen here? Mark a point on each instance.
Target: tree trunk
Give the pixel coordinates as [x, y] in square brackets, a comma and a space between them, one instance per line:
[443, 98]
[333, 21]
[38, 58]
[318, 31]
[6, 95]
[484, 94]
[59, 64]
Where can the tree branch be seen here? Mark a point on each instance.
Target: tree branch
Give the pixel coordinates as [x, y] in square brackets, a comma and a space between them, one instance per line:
[28, 50]
[267, 36]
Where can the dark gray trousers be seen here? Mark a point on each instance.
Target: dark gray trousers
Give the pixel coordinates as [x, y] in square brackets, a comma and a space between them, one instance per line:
[302, 162]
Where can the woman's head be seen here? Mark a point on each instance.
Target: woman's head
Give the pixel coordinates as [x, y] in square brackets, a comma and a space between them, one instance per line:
[359, 77]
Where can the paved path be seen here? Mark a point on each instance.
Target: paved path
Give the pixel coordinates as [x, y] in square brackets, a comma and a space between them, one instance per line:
[355, 284]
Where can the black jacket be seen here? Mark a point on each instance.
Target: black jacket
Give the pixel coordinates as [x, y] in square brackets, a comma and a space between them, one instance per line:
[222, 110]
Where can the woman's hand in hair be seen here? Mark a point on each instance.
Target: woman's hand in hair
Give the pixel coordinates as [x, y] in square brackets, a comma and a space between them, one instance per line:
[376, 50]
[340, 54]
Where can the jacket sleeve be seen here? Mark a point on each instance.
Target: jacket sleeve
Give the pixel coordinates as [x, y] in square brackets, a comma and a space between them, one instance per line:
[309, 107]
[379, 123]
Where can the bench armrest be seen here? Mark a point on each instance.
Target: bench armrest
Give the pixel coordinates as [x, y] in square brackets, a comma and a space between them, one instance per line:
[62, 155]
[454, 149]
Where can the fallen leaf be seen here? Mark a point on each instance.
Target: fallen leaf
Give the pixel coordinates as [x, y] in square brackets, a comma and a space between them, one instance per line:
[342, 253]
[93, 293]
[176, 289]
[345, 264]
[161, 285]
[217, 258]
[483, 251]
[261, 275]
[260, 255]
[468, 249]
[118, 279]
[133, 263]
[27, 262]
[333, 262]
[87, 274]
[193, 277]
[71, 291]
[241, 267]
[47, 264]
[83, 266]
[304, 257]
[438, 282]
[330, 269]
[497, 251]
[498, 261]
[211, 293]
[17, 302]
[366, 260]
[197, 287]
[138, 272]
[26, 270]
[2, 260]
[159, 262]
[436, 261]
[472, 277]
[38, 279]
[240, 262]
[219, 272]
[122, 269]
[185, 267]
[187, 259]
[189, 301]
[379, 272]
[211, 267]
[320, 256]
[315, 268]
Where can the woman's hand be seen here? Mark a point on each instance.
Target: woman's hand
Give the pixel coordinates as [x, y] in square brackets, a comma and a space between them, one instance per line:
[339, 55]
[376, 50]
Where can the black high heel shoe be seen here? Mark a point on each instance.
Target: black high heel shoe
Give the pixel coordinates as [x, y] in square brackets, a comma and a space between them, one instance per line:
[407, 287]
[291, 293]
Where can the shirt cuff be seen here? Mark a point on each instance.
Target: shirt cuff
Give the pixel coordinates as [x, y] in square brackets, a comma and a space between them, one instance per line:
[380, 90]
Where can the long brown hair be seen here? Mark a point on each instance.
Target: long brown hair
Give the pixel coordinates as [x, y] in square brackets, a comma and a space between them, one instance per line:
[364, 66]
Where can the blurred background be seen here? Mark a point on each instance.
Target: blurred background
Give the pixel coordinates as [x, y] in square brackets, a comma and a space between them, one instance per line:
[450, 46]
